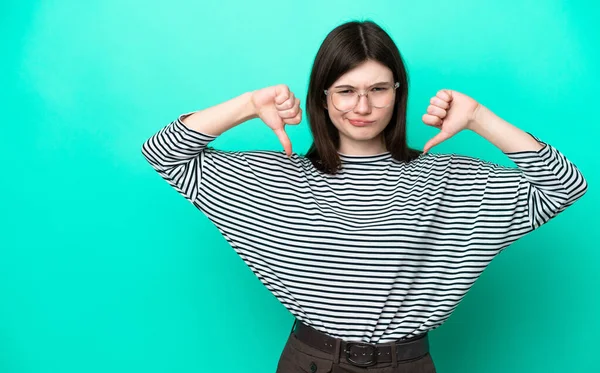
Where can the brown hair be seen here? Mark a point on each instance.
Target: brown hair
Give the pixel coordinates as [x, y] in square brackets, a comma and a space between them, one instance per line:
[344, 48]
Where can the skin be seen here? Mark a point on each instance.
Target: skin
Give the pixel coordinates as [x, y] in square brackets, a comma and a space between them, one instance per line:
[365, 140]
[449, 111]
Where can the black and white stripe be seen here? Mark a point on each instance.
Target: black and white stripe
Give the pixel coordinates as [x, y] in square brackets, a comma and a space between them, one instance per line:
[382, 250]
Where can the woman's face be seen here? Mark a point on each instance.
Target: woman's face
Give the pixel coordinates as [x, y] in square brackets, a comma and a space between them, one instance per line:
[364, 138]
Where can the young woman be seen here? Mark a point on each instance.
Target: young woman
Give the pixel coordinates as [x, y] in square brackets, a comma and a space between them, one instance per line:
[368, 243]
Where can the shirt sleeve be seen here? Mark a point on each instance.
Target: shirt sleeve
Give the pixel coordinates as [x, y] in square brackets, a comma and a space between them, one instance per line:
[552, 181]
[176, 152]
[506, 202]
[207, 176]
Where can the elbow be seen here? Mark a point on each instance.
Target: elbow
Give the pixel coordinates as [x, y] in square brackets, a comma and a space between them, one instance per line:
[572, 193]
[546, 205]
[147, 154]
[584, 185]
[577, 189]
[152, 155]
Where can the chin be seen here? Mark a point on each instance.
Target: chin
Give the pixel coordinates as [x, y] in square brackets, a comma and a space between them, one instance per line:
[364, 131]
[362, 136]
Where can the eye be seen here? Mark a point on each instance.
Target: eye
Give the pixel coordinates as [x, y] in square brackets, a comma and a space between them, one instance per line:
[346, 91]
[379, 89]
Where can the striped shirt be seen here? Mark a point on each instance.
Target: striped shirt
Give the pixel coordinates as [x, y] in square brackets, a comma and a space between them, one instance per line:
[383, 249]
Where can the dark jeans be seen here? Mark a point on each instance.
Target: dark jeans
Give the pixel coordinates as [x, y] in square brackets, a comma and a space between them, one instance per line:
[298, 357]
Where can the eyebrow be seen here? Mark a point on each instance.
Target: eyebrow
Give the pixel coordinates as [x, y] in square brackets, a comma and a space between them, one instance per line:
[349, 86]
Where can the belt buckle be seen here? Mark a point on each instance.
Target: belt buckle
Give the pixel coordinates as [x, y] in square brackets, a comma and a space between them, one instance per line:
[361, 348]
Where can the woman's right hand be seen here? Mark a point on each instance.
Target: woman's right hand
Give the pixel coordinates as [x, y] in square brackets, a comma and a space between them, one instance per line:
[277, 106]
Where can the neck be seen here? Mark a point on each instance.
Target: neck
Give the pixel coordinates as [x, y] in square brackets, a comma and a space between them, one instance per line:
[362, 147]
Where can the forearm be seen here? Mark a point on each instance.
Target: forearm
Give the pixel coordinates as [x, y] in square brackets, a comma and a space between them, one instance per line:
[219, 118]
[502, 134]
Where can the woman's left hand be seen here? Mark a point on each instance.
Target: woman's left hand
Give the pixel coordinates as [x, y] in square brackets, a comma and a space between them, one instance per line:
[451, 112]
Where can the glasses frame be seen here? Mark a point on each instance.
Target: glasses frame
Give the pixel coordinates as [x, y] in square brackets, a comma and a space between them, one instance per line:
[366, 94]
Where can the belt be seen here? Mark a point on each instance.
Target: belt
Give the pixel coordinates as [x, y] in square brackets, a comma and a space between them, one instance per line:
[363, 354]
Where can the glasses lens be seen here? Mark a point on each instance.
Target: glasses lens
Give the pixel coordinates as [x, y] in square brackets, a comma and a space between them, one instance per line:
[344, 100]
[379, 97]
[382, 96]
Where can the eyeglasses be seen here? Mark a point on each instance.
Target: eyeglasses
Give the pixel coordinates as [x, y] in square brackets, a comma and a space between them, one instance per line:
[380, 96]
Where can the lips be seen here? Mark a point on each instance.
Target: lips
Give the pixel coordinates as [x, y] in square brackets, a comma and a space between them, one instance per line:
[360, 123]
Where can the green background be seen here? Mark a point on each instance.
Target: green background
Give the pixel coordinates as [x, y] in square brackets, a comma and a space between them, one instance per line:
[105, 268]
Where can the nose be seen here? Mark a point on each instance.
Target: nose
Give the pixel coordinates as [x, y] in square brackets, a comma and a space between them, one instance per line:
[363, 106]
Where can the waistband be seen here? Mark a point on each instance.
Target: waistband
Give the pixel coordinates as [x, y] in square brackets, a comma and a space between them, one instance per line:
[359, 353]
